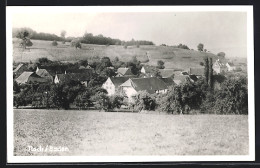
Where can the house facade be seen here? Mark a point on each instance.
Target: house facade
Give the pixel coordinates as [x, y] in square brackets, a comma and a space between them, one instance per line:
[219, 67]
[112, 84]
[44, 74]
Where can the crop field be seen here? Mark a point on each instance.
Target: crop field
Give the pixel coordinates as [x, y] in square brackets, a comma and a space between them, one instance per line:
[173, 57]
[112, 133]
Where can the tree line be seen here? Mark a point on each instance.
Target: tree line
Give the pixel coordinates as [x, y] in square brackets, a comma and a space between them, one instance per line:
[87, 38]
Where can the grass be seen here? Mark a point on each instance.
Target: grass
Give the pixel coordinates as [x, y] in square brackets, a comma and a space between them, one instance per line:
[173, 57]
[107, 133]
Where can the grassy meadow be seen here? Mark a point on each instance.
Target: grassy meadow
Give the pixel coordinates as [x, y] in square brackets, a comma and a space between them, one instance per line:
[112, 133]
[173, 57]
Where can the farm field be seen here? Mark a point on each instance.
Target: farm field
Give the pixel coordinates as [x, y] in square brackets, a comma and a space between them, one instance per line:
[112, 133]
[173, 57]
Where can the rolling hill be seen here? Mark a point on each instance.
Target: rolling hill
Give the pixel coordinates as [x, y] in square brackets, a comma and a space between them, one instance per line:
[173, 57]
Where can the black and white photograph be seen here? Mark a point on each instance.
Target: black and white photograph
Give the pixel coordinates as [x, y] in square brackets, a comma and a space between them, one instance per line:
[126, 84]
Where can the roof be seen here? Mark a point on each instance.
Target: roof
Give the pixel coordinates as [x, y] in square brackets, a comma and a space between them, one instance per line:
[197, 71]
[193, 77]
[219, 63]
[18, 67]
[181, 78]
[124, 71]
[73, 77]
[166, 73]
[148, 84]
[42, 72]
[168, 81]
[119, 80]
[231, 64]
[85, 67]
[23, 78]
[147, 69]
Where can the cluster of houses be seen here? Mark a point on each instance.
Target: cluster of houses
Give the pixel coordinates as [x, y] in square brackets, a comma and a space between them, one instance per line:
[125, 81]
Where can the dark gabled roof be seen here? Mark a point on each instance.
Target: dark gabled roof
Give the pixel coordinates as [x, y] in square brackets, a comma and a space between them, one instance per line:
[197, 71]
[119, 80]
[42, 73]
[85, 71]
[166, 73]
[168, 81]
[146, 84]
[124, 71]
[65, 78]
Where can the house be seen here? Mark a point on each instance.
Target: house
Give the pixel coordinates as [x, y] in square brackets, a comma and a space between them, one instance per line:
[112, 84]
[198, 72]
[167, 73]
[44, 74]
[178, 79]
[168, 81]
[68, 77]
[30, 77]
[230, 66]
[85, 67]
[219, 67]
[146, 69]
[151, 85]
[20, 69]
[124, 72]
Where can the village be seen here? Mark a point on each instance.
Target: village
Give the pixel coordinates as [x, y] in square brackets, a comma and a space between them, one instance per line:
[117, 81]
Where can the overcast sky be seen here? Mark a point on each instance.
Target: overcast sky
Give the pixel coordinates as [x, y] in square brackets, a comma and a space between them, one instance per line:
[218, 31]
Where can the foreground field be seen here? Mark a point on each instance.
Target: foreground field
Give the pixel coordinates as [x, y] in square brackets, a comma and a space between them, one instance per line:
[101, 133]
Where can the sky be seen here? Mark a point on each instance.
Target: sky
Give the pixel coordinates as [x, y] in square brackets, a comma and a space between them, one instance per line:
[218, 31]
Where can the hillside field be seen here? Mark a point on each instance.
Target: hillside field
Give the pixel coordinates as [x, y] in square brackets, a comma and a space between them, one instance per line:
[111, 133]
[173, 57]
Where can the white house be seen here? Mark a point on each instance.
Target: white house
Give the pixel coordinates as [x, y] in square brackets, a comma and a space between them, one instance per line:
[112, 84]
[230, 66]
[219, 67]
[151, 85]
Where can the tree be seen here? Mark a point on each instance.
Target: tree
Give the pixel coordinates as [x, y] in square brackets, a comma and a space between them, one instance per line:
[101, 101]
[117, 101]
[24, 35]
[76, 43]
[206, 69]
[54, 43]
[16, 87]
[160, 64]
[210, 69]
[205, 50]
[200, 47]
[144, 101]
[201, 63]
[84, 62]
[63, 34]
[221, 54]
[233, 97]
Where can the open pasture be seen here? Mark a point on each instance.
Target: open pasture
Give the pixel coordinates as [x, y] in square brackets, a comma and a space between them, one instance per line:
[173, 57]
[111, 133]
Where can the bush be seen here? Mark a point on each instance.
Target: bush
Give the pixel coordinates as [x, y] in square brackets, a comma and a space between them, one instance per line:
[54, 43]
[144, 101]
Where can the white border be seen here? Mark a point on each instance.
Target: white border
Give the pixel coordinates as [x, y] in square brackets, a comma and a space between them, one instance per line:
[37, 159]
